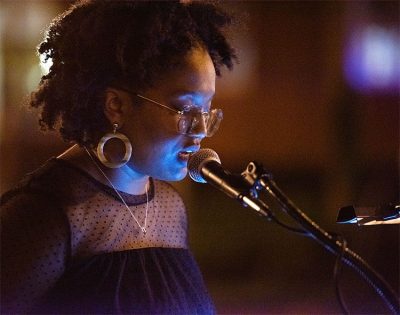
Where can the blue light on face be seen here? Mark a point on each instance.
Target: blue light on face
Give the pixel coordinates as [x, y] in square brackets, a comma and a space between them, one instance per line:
[195, 99]
[372, 60]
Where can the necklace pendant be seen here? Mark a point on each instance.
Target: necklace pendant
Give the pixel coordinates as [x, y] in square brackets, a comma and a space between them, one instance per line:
[144, 230]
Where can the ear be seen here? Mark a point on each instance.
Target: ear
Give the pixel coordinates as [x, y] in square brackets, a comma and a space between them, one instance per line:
[114, 104]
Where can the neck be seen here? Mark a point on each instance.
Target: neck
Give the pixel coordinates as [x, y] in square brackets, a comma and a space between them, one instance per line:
[123, 179]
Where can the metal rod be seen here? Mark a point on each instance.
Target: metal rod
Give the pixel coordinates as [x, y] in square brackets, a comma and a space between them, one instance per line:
[334, 245]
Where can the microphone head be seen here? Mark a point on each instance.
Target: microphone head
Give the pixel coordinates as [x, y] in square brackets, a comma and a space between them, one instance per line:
[196, 162]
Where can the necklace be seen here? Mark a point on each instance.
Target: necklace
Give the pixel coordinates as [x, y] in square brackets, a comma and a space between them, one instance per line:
[142, 227]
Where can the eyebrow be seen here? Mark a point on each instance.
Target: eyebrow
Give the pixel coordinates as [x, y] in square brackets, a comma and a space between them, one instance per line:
[192, 94]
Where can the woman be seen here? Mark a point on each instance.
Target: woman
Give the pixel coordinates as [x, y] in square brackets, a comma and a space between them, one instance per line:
[97, 230]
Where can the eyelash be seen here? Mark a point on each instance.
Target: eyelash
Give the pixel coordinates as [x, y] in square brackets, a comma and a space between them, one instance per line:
[185, 107]
[181, 107]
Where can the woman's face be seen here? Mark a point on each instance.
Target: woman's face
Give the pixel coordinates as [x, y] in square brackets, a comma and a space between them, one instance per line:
[158, 149]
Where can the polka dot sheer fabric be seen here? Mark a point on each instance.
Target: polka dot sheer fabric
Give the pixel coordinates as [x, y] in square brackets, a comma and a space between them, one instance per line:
[102, 224]
[69, 244]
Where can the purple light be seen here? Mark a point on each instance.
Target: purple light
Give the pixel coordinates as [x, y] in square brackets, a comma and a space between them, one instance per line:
[372, 59]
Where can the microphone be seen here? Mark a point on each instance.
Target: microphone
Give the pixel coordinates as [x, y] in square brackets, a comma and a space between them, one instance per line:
[198, 159]
[205, 167]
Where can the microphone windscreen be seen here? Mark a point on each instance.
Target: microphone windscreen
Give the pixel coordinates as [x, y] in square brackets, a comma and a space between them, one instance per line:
[196, 162]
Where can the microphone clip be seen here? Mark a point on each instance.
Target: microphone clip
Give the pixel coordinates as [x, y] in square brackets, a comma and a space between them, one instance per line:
[257, 177]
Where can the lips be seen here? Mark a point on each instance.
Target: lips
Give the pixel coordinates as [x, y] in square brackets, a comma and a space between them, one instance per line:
[187, 152]
[184, 155]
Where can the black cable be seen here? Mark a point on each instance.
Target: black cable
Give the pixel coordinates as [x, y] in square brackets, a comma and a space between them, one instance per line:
[338, 262]
[271, 216]
[337, 270]
[393, 303]
[263, 181]
[290, 228]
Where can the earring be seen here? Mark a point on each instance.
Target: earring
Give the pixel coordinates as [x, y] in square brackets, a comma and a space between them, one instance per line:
[102, 142]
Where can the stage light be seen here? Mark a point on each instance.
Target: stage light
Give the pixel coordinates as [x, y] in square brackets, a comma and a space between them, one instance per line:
[372, 59]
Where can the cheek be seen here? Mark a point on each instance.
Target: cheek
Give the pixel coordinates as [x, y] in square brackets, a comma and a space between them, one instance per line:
[155, 120]
[155, 149]
[156, 152]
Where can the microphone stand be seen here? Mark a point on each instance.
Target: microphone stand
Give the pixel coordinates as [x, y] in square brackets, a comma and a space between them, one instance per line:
[257, 178]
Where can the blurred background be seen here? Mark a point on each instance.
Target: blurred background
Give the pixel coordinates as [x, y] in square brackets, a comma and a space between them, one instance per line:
[315, 98]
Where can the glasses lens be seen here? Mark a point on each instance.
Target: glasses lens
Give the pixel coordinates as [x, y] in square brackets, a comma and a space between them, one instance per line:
[189, 122]
[213, 121]
[184, 124]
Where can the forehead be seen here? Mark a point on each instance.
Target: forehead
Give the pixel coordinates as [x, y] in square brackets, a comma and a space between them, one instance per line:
[193, 77]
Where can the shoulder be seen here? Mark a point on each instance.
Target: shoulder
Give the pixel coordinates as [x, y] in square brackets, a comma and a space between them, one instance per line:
[33, 191]
[57, 181]
[35, 203]
[43, 181]
[30, 203]
[33, 211]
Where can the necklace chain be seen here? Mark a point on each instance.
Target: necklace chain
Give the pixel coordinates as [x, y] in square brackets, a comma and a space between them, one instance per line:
[142, 227]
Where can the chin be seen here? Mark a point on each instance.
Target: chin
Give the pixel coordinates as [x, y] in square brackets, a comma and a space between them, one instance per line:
[174, 176]
[182, 176]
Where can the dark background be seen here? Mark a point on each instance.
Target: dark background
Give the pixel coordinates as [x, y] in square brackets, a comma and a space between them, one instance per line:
[288, 104]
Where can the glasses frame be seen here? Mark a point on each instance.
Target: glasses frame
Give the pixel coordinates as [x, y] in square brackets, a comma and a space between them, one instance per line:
[176, 111]
[180, 112]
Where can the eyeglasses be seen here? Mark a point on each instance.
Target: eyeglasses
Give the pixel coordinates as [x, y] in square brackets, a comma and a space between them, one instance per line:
[191, 117]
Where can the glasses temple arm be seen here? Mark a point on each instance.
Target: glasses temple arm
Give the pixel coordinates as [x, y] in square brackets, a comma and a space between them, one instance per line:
[159, 104]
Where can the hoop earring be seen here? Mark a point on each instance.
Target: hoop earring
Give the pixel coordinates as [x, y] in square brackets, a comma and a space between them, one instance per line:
[102, 142]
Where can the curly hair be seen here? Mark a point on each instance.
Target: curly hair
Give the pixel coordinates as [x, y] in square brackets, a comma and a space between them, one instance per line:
[96, 44]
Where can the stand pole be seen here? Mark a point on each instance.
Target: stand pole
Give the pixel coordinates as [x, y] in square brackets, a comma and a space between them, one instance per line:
[333, 245]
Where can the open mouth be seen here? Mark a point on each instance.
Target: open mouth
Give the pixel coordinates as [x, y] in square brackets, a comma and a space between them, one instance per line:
[185, 154]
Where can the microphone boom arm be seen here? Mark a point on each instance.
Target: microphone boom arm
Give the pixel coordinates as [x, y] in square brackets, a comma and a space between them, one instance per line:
[260, 180]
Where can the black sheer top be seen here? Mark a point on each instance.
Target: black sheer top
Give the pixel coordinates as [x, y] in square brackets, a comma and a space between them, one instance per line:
[70, 246]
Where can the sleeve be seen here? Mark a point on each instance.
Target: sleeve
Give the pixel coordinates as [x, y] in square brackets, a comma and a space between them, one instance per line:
[34, 250]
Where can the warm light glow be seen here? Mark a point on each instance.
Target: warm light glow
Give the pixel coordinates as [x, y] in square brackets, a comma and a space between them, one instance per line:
[32, 77]
[36, 72]
[45, 65]
[1, 73]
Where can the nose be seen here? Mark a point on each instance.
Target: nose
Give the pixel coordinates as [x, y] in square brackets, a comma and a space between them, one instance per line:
[199, 127]
[197, 140]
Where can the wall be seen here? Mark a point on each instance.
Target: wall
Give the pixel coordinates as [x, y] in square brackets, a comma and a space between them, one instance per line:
[288, 105]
